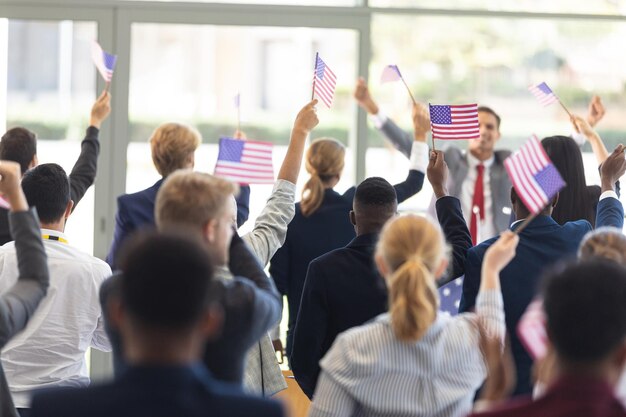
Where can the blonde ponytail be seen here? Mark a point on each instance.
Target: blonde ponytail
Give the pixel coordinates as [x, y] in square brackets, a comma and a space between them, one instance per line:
[412, 300]
[324, 160]
[411, 247]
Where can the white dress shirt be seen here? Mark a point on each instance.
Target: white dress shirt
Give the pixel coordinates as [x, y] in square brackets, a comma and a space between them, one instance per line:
[50, 351]
[486, 228]
[370, 373]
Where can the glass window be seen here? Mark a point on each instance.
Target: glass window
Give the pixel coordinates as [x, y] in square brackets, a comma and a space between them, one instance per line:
[609, 7]
[50, 89]
[492, 61]
[272, 68]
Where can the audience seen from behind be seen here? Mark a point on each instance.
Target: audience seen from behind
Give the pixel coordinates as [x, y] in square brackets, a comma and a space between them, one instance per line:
[168, 306]
[322, 209]
[414, 360]
[50, 351]
[543, 243]
[201, 205]
[19, 301]
[20, 145]
[586, 327]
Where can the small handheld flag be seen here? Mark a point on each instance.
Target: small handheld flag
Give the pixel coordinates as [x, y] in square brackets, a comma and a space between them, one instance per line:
[532, 330]
[324, 82]
[245, 162]
[104, 61]
[450, 296]
[534, 177]
[449, 122]
[546, 96]
[392, 73]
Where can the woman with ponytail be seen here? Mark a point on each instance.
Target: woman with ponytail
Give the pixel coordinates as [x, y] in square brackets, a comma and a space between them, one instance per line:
[414, 360]
[322, 221]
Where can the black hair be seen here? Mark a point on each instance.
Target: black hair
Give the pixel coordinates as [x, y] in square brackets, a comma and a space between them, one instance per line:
[585, 305]
[47, 187]
[491, 112]
[375, 202]
[166, 280]
[18, 145]
[574, 200]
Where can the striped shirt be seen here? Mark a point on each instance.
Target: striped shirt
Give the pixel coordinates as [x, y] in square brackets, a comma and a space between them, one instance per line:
[369, 373]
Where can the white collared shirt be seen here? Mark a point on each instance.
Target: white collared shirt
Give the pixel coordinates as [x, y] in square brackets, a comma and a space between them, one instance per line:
[486, 228]
[50, 351]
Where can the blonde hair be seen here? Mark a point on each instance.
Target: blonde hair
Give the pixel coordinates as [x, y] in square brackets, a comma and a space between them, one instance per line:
[604, 242]
[191, 199]
[412, 247]
[171, 145]
[324, 160]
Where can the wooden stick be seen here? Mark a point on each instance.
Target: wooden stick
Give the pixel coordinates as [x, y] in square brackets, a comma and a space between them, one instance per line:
[107, 85]
[314, 76]
[525, 223]
[565, 108]
[409, 90]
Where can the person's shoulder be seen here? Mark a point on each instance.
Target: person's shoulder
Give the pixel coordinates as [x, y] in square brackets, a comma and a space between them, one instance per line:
[480, 249]
[500, 155]
[132, 198]
[238, 404]
[73, 401]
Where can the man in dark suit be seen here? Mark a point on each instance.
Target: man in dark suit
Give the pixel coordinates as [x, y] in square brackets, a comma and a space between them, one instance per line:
[325, 309]
[586, 326]
[165, 323]
[20, 145]
[542, 244]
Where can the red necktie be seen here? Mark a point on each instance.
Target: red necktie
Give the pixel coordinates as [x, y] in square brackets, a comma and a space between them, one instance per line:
[478, 204]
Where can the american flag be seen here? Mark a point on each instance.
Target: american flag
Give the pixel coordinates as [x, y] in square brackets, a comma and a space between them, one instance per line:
[532, 330]
[390, 73]
[105, 62]
[450, 296]
[324, 82]
[245, 162]
[543, 94]
[535, 178]
[454, 121]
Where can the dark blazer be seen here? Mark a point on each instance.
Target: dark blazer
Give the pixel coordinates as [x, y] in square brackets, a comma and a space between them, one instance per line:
[343, 289]
[457, 235]
[499, 181]
[154, 391]
[251, 308]
[81, 177]
[542, 244]
[136, 211]
[309, 237]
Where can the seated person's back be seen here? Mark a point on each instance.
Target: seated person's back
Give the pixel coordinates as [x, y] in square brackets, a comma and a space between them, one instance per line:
[164, 323]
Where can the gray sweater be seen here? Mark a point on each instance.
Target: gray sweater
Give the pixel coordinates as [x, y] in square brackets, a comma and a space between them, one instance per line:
[18, 304]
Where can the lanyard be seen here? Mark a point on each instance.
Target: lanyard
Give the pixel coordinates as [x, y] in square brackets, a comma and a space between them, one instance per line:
[55, 238]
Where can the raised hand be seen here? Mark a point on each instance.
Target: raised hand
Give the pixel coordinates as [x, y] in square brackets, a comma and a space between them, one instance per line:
[613, 168]
[421, 122]
[10, 177]
[239, 134]
[100, 109]
[363, 97]
[596, 111]
[306, 119]
[437, 173]
[582, 126]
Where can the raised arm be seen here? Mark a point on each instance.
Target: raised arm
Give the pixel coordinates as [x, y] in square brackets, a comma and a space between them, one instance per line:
[19, 303]
[610, 210]
[597, 145]
[449, 215]
[270, 228]
[419, 155]
[84, 171]
[399, 138]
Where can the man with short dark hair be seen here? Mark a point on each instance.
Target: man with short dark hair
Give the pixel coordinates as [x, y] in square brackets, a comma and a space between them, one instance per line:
[343, 288]
[50, 352]
[542, 244]
[165, 323]
[586, 326]
[20, 145]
